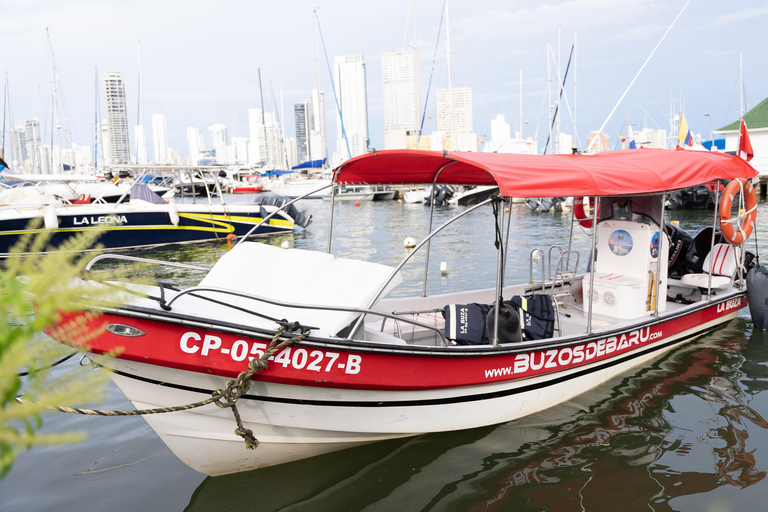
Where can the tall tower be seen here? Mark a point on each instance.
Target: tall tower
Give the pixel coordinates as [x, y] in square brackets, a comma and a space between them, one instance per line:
[265, 147]
[195, 143]
[317, 136]
[401, 74]
[117, 118]
[461, 112]
[33, 145]
[302, 141]
[350, 78]
[219, 142]
[160, 138]
[141, 144]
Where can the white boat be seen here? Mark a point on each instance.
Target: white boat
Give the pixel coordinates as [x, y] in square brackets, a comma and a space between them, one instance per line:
[309, 188]
[357, 366]
[360, 193]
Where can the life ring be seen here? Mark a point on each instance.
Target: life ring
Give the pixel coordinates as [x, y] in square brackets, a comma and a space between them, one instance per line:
[578, 211]
[737, 235]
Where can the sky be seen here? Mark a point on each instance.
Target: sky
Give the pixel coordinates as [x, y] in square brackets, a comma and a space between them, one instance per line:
[200, 60]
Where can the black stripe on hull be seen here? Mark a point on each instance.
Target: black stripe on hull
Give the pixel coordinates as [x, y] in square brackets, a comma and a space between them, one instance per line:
[436, 401]
[144, 229]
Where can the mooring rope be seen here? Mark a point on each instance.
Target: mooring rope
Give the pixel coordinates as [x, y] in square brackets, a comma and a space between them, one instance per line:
[233, 390]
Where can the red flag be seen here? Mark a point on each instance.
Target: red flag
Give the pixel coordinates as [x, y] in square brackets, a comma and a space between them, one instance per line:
[745, 146]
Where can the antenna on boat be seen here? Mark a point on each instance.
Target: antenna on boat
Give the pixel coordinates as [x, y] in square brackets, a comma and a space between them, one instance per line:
[594, 139]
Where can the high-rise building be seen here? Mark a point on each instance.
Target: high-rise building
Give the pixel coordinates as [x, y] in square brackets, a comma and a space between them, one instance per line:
[140, 137]
[318, 146]
[600, 145]
[264, 148]
[351, 91]
[195, 143]
[461, 111]
[401, 75]
[302, 141]
[33, 145]
[218, 134]
[117, 118]
[19, 145]
[160, 138]
[456, 120]
[240, 147]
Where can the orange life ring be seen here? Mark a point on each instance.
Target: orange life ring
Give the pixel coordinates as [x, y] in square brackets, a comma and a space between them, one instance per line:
[737, 235]
[578, 211]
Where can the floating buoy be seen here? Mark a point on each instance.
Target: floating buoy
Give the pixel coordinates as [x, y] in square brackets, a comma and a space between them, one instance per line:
[444, 268]
[357, 203]
[285, 245]
[409, 242]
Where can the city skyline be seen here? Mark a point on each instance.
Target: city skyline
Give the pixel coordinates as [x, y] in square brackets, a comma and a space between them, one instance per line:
[695, 69]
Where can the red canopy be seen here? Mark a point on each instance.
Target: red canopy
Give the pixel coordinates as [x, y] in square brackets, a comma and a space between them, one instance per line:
[627, 172]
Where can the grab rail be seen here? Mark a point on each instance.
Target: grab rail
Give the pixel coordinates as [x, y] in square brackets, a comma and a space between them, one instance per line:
[145, 260]
[293, 305]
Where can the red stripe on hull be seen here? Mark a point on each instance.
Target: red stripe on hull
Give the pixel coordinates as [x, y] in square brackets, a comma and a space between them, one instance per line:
[221, 353]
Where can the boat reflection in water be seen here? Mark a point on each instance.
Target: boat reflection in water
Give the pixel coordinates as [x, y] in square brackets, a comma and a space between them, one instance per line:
[622, 446]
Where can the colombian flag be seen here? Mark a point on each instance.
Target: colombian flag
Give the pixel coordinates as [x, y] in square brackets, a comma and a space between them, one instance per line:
[684, 134]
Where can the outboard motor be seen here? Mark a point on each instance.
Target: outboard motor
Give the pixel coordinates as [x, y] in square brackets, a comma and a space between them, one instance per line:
[300, 217]
[546, 203]
[679, 243]
[443, 193]
[757, 294]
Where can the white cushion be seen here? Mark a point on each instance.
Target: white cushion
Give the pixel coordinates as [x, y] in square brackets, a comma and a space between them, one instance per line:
[300, 277]
[701, 280]
[724, 261]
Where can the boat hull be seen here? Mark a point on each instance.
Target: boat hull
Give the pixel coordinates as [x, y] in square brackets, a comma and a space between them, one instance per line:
[125, 227]
[317, 396]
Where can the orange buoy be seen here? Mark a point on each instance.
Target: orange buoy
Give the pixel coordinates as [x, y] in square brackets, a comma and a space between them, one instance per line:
[738, 234]
[231, 238]
[580, 214]
[357, 203]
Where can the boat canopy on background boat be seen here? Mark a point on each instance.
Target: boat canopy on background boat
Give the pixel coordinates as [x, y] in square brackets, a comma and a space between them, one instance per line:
[640, 171]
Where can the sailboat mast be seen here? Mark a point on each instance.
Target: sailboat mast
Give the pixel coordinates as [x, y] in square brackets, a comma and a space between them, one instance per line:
[60, 168]
[450, 83]
[575, 74]
[521, 103]
[139, 114]
[741, 86]
[263, 119]
[549, 94]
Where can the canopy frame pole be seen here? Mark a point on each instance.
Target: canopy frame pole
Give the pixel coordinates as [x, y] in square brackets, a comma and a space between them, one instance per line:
[499, 220]
[410, 254]
[659, 261]
[431, 215]
[506, 242]
[592, 261]
[715, 218]
[333, 206]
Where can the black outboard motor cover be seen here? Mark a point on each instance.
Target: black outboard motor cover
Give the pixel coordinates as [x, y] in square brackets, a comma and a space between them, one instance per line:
[509, 324]
[698, 250]
[757, 293]
[300, 217]
[679, 243]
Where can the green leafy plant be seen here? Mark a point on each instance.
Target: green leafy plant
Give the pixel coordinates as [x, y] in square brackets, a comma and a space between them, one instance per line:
[34, 288]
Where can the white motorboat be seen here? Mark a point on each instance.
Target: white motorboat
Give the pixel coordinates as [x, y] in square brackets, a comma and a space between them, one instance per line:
[360, 193]
[355, 365]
